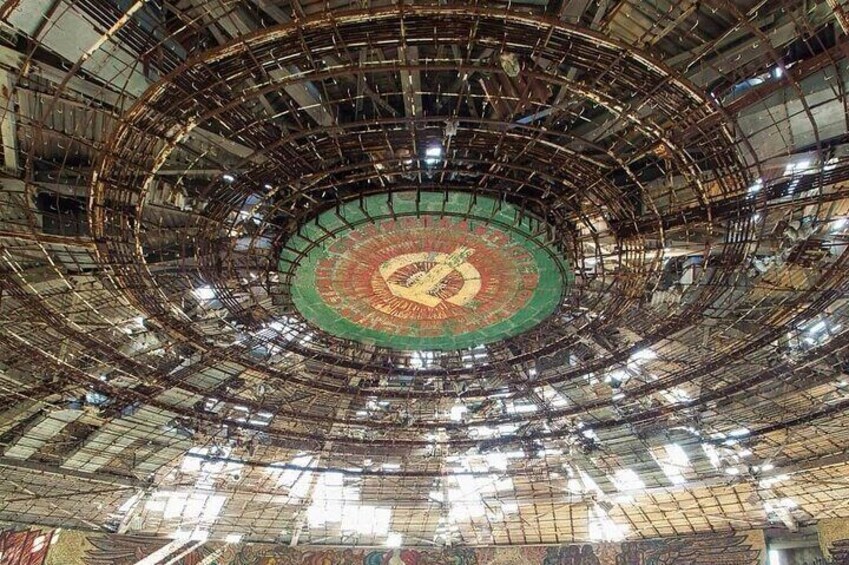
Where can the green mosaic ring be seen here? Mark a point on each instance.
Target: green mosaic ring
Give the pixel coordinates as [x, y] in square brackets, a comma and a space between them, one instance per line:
[447, 272]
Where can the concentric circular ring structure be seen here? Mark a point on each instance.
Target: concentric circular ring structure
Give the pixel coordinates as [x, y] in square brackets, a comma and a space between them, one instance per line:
[511, 273]
[257, 196]
[426, 271]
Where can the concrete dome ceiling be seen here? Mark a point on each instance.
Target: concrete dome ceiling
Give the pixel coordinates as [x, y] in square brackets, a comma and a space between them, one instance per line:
[474, 273]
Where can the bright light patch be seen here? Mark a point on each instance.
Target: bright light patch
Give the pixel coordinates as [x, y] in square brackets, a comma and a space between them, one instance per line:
[800, 167]
[646, 354]
[674, 462]
[627, 479]
[204, 293]
[676, 396]
[552, 396]
[772, 481]
[193, 459]
[589, 484]
[518, 408]
[422, 359]
[335, 502]
[509, 507]
[712, 455]
[433, 155]
[394, 540]
[457, 412]
[198, 507]
[296, 480]
[129, 503]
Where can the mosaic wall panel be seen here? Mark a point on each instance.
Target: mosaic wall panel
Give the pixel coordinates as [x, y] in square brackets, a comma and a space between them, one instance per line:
[27, 547]
[73, 548]
[833, 536]
[703, 550]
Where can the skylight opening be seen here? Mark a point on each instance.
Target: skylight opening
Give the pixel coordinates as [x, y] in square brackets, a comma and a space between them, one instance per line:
[712, 455]
[800, 167]
[674, 463]
[646, 354]
[501, 461]
[509, 507]
[676, 396]
[305, 338]
[198, 507]
[552, 396]
[474, 356]
[433, 154]
[193, 459]
[506, 429]
[770, 482]
[590, 434]
[627, 480]
[457, 412]
[780, 504]
[422, 359]
[589, 484]
[297, 480]
[365, 520]
[574, 486]
[130, 503]
[204, 293]
[739, 432]
[617, 378]
[520, 408]
[282, 328]
[334, 502]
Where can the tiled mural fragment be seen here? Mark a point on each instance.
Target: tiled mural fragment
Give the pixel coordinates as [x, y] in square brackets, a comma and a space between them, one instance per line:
[55, 547]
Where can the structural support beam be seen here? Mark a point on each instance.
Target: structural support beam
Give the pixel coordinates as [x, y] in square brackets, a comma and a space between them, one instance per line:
[45, 469]
[411, 82]
[9, 123]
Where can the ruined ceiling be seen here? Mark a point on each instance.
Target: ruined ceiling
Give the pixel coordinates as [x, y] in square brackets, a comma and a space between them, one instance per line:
[447, 273]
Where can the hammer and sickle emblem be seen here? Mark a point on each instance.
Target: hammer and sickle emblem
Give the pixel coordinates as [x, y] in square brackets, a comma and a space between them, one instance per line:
[422, 287]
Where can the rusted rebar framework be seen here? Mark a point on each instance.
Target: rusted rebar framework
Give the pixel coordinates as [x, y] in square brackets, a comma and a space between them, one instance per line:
[688, 159]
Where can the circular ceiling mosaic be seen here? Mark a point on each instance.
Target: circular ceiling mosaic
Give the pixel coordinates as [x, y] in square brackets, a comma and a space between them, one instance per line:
[426, 272]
